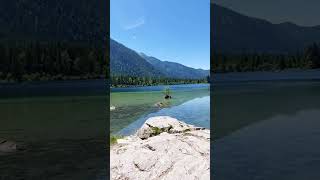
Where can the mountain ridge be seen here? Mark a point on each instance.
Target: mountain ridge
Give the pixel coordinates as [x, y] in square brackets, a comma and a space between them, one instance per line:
[126, 62]
[176, 70]
[234, 32]
[123, 60]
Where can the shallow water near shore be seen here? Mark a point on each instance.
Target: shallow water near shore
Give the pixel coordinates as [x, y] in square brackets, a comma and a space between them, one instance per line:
[62, 125]
[195, 112]
[190, 103]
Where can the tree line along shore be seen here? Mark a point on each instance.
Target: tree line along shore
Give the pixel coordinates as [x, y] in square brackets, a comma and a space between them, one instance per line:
[309, 58]
[127, 81]
[22, 61]
[44, 61]
[26, 61]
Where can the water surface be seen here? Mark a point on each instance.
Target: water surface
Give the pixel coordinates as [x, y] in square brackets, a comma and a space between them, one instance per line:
[266, 129]
[62, 124]
[190, 103]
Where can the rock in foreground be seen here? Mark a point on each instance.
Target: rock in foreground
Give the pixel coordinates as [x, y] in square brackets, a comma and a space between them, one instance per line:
[163, 148]
[7, 147]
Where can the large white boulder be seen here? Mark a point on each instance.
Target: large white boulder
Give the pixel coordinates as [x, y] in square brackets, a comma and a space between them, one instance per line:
[176, 151]
[156, 125]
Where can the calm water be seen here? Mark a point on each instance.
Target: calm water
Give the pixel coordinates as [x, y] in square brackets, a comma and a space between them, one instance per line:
[267, 129]
[190, 103]
[62, 124]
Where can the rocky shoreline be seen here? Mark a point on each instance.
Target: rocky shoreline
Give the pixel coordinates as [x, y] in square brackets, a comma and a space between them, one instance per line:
[163, 148]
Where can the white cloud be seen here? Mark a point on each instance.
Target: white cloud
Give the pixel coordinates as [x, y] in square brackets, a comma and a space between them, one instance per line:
[139, 22]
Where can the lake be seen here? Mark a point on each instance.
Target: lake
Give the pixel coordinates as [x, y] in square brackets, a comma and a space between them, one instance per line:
[266, 128]
[190, 103]
[63, 125]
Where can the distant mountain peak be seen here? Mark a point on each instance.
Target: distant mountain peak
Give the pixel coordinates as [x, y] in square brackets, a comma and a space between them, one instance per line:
[142, 54]
[176, 70]
[125, 61]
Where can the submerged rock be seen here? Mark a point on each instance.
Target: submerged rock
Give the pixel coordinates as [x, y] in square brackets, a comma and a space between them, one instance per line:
[159, 104]
[7, 146]
[163, 148]
[162, 104]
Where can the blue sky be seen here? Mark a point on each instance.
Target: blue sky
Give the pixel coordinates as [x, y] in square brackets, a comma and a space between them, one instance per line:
[170, 30]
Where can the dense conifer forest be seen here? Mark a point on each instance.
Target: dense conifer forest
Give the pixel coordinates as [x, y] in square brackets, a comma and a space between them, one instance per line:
[309, 58]
[124, 81]
[42, 61]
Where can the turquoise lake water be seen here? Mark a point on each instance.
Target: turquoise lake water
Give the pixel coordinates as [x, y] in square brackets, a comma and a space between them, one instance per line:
[190, 103]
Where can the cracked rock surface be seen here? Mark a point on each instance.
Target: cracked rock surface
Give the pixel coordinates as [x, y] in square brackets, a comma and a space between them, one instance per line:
[163, 148]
